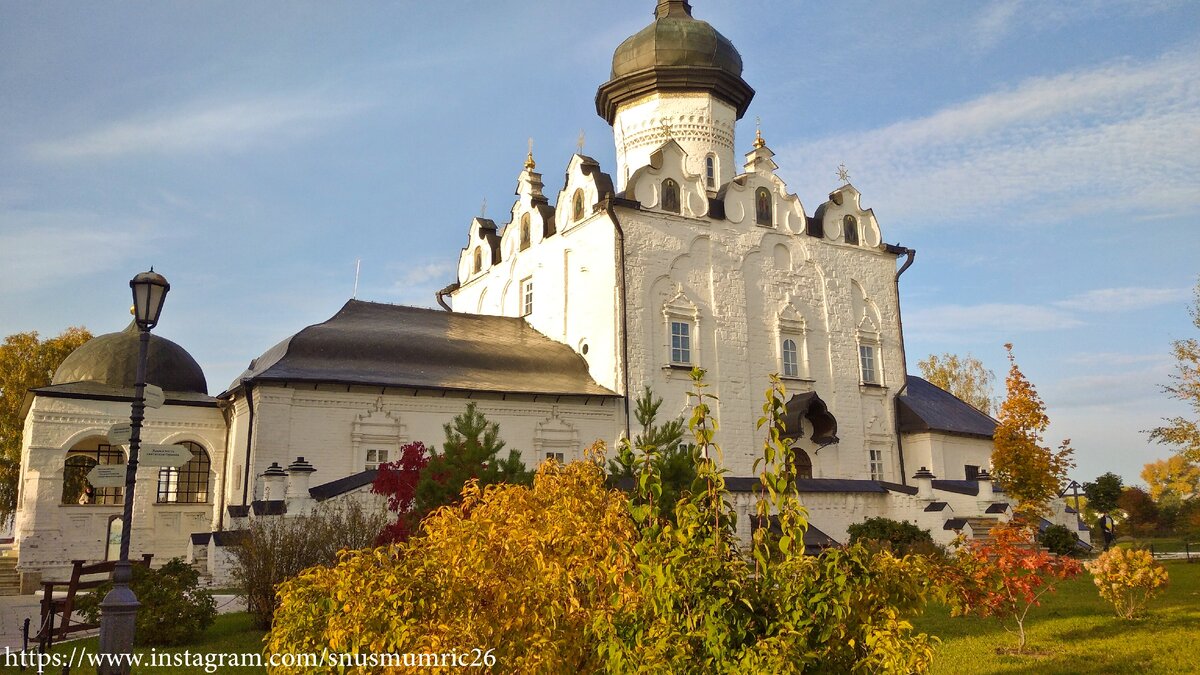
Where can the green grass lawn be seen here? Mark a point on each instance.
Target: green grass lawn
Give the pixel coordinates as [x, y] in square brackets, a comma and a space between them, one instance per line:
[231, 633]
[1074, 631]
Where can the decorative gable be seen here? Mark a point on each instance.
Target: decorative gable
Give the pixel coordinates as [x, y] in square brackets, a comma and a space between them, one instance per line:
[843, 220]
[665, 184]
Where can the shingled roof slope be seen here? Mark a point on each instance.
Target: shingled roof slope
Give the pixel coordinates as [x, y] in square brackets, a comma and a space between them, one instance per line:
[377, 344]
[926, 407]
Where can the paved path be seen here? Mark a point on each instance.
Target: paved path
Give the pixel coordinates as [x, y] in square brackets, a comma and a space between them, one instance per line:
[14, 609]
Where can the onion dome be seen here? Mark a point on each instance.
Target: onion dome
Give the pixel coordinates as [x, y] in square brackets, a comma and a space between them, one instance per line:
[675, 53]
[112, 359]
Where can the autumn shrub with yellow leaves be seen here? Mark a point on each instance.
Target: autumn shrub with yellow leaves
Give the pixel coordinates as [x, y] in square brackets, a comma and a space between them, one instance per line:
[569, 576]
[1128, 578]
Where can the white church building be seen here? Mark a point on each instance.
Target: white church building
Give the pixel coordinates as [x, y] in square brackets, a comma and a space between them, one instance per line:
[688, 253]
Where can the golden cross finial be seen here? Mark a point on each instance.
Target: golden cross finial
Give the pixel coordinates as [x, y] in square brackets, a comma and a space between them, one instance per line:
[843, 174]
[529, 165]
[579, 142]
[758, 139]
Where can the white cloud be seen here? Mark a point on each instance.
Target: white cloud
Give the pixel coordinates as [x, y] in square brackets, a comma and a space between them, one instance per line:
[999, 20]
[224, 126]
[1116, 138]
[995, 22]
[52, 248]
[1123, 299]
[996, 318]
[425, 273]
[1116, 359]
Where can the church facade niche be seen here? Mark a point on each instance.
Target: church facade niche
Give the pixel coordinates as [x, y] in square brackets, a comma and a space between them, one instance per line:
[557, 439]
[376, 437]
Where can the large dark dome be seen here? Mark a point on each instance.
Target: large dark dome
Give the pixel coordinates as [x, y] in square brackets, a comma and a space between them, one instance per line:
[112, 359]
[676, 39]
[675, 53]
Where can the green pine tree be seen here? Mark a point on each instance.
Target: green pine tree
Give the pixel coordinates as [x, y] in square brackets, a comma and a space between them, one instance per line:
[471, 450]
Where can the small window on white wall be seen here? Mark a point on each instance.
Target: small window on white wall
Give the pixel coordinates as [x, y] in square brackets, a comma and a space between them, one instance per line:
[556, 456]
[681, 343]
[868, 362]
[792, 356]
[527, 296]
[375, 457]
[791, 360]
[876, 464]
[710, 172]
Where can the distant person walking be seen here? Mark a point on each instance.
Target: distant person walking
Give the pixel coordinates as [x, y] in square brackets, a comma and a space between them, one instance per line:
[1106, 528]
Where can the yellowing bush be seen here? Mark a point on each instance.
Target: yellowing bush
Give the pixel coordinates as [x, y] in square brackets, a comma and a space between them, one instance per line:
[1128, 578]
[513, 569]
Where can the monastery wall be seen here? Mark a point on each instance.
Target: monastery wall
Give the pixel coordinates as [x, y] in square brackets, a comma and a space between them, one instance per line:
[335, 430]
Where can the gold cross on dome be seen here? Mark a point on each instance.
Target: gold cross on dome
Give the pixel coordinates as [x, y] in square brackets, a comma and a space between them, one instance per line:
[579, 142]
[842, 174]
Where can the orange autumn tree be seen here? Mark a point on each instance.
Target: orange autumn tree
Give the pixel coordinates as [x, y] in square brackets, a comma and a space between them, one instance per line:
[27, 361]
[1029, 472]
[1005, 577]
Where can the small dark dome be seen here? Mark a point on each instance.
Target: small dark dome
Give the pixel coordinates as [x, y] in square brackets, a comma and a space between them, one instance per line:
[675, 53]
[112, 359]
[676, 39]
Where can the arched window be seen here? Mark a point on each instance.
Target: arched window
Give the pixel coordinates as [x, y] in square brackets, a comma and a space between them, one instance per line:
[478, 261]
[762, 207]
[850, 229]
[524, 231]
[710, 172]
[670, 196]
[803, 463]
[81, 460]
[577, 206]
[791, 360]
[189, 483]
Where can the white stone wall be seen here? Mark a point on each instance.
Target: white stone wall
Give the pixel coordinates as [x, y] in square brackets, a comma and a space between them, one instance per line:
[333, 428]
[945, 455]
[700, 123]
[50, 534]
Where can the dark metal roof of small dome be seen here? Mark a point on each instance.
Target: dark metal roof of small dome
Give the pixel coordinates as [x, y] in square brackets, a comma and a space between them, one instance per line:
[112, 359]
[675, 53]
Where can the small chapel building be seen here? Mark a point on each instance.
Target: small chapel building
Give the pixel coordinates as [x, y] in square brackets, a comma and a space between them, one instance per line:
[685, 255]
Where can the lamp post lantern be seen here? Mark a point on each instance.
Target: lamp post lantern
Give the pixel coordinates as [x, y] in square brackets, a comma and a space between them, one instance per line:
[118, 610]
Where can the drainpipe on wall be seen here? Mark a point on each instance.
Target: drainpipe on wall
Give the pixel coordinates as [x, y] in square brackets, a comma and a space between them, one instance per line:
[911, 255]
[249, 443]
[441, 295]
[607, 206]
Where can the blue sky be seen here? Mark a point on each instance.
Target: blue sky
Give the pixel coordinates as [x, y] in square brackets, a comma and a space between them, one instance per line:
[1042, 157]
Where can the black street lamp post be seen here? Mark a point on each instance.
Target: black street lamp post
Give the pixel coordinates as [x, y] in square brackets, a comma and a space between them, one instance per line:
[118, 610]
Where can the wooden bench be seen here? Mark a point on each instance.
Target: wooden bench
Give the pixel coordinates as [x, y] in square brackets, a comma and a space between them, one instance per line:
[84, 577]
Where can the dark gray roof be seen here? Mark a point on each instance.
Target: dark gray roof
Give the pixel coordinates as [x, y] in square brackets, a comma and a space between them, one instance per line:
[376, 344]
[109, 392]
[962, 487]
[273, 507]
[342, 485]
[955, 524]
[936, 506]
[926, 407]
[838, 485]
[897, 487]
[998, 507]
[112, 359]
